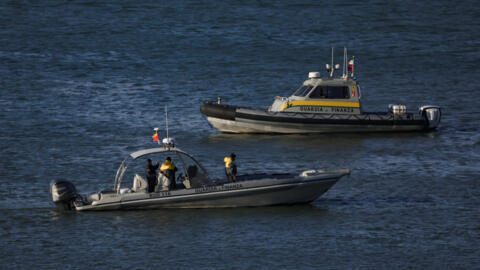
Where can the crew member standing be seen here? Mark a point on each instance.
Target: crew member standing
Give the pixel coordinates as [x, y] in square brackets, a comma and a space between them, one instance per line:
[230, 167]
[169, 169]
[151, 171]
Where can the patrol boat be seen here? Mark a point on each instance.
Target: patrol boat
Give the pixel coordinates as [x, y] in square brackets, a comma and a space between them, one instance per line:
[323, 104]
[195, 189]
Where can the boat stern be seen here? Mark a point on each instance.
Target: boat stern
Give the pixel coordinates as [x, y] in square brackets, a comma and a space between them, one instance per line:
[63, 194]
[433, 114]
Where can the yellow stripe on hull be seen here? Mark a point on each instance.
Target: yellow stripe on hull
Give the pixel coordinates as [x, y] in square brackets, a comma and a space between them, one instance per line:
[320, 103]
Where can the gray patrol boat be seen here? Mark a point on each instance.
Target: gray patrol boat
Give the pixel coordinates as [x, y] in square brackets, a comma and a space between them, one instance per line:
[323, 104]
[194, 188]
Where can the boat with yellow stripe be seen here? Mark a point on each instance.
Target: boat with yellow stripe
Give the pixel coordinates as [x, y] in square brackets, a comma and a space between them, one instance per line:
[309, 103]
[322, 104]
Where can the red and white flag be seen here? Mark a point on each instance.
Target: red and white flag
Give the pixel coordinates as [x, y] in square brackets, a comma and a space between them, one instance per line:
[350, 65]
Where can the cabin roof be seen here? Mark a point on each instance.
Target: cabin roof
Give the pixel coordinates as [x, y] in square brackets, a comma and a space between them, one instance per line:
[145, 152]
[329, 81]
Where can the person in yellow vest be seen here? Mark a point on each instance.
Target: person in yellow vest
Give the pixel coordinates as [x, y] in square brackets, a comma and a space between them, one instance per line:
[230, 167]
[169, 169]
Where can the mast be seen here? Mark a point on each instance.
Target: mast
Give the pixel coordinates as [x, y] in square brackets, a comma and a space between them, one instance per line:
[166, 119]
[353, 67]
[333, 68]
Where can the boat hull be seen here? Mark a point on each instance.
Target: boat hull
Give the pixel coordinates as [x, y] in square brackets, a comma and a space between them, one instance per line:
[239, 194]
[231, 119]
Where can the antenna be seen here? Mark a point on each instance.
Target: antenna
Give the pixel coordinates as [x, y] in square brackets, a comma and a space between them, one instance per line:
[345, 57]
[353, 67]
[166, 118]
[167, 142]
[333, 68]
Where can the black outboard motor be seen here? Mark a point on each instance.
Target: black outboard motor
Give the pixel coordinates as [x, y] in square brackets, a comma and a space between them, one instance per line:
[63, 194]
[433, 114]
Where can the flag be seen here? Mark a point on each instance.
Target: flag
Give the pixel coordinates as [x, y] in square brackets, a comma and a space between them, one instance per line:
[155, 137]
[350, 65]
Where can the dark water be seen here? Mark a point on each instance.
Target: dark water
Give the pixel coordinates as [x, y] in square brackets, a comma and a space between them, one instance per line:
[82, 84]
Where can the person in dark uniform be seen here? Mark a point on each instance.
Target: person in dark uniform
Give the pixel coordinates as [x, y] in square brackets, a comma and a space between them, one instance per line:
[151, 171]
[230, 167]
[169, 169]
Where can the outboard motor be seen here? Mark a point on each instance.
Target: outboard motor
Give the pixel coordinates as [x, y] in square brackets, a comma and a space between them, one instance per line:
[433, 115]
[63, 194]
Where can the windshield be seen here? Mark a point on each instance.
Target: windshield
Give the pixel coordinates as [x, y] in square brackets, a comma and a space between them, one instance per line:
[303, 90]
[187, 168]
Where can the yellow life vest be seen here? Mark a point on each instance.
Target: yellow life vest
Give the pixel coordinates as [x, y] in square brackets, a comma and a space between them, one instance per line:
[167, 165]
[228, 161]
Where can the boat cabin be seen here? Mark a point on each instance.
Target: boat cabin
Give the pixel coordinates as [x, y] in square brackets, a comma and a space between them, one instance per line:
[318, 94]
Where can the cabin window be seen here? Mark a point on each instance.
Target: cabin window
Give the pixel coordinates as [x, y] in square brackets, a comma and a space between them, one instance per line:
[334, 92]
[303, 91]
[317, 93]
